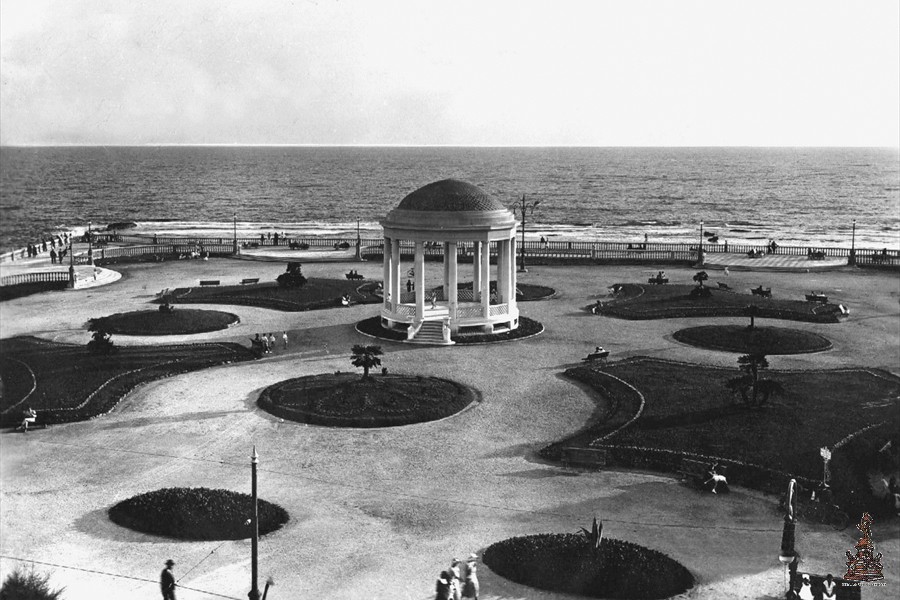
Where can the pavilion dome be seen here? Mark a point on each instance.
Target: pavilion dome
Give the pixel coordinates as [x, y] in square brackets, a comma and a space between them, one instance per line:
[450, 195]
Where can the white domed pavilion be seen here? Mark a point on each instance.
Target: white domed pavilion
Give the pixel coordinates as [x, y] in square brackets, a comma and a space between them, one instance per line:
[457, 222]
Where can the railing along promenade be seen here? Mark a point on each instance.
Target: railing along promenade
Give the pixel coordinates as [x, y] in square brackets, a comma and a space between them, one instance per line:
[113, 246]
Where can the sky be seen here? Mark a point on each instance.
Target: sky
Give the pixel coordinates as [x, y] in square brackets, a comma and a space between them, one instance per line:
[480, 73]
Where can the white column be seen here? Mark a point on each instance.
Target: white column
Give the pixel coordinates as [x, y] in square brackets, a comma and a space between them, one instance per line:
[476, 271]
[446, 270]
[512, 267]
[502, 278]
[420, 280]
[510, 273]
[451, 284]
[386, 267]
[395, 274]
[486, 279]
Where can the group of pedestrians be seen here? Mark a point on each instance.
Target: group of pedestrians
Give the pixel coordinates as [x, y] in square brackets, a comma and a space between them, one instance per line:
[267, 341]
[57, 245]
[458, 582]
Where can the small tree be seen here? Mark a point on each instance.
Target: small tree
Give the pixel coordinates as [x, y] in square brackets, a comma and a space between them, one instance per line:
[101, 341]
[754, 392]
[700, 278]
[700, 291]
[292, 277]
[752, 311]
[26, 583]
[366, 357]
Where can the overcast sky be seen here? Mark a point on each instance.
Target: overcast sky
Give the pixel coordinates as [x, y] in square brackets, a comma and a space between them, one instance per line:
[526, 72]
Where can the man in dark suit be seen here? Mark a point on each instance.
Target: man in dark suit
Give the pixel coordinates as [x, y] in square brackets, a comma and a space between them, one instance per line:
[167, 581]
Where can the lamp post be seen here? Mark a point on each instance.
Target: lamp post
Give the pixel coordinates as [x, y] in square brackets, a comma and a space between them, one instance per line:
[523, 209]
[852, 259]
[90, 244]
[235, 249]
[71, 246]
[254, 571]
[358, 241]
[700, 249]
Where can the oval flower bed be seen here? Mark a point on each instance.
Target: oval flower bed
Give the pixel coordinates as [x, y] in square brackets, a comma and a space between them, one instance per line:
[348, 400]
[567, 562]
[196, 514]
[181, 321]
[761, 340]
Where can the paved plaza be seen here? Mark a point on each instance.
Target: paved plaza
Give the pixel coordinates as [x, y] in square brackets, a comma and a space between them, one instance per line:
[378, 513]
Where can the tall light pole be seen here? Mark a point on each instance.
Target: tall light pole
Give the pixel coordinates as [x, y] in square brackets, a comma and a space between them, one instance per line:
[71, 263]
[852, 260]
[254, 554]
[235, 249]
[358, 241]
[700, 249]
[90, 244]
[523, 208]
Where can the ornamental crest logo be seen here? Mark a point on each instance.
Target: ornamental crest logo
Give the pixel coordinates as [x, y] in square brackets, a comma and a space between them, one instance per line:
[866, 565]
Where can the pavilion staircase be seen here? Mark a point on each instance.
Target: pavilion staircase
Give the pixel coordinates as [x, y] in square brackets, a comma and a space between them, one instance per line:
[431, 332]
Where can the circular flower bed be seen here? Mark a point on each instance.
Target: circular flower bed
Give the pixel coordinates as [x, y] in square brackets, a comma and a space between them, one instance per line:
[759, 340]
[527, 328]
[196, 514]
[348, 400]
[567, 562]
[154, 322]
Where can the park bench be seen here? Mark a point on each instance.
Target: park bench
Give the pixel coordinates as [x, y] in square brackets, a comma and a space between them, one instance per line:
[204, 282]
[723, 286]
[590, 457]
[249, 280]
[755, 254]
[298, 246]
[353, 276]
[817, 297]
[761, 291]
[658, 280]
[817, 255]
[693, 471]
[39, 422]
[601, 356]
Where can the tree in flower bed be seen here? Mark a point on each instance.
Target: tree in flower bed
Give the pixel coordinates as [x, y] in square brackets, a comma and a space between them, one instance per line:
[758, 340]
[170, 322]
[568, 562]
[347, 400]
[25, 583]
[636, 301]
[196, 514]
[527, 328]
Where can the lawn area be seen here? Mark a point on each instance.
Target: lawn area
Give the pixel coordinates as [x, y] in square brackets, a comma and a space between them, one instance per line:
[73, 384]
[763, 340]
[318, 293]
[687, 409]
[154, 322]
[348, 400]
[640, 301]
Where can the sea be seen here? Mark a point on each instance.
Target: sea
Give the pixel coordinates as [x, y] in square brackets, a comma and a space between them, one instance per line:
[795, 196]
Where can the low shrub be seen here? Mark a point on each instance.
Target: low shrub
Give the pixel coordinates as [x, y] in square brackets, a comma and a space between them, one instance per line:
[164, 322]
[759, 340]
[567, 562]
[27, 584]
[196, 514]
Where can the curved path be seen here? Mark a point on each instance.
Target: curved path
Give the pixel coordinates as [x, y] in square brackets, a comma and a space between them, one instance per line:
[379, 513]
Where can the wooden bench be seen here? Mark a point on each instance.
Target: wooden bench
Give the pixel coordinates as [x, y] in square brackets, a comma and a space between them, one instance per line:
[601, 356]
[693, 471]
[209, 282]
[249, 280]
[814, 297]
[761, 291]
[819, 255]
[723, 286]
[353, 276]
[585, 457]
[658, 280]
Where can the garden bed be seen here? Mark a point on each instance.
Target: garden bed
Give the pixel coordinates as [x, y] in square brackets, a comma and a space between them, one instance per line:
[197, 514]
[316, 294]
[73, 385]
[638, 301]
[761, 340]
[183, 321]
[568, 563]
[348, 400]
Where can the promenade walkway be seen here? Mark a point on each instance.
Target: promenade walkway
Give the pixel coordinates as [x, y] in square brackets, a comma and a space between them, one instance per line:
[377, 514]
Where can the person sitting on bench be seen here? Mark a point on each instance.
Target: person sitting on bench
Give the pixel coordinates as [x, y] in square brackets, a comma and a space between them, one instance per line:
[714, 479]
[345, 300]
[29, 418]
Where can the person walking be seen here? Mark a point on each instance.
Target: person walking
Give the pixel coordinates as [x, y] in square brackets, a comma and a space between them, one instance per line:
[470, 578]
[455, 579]
[272, 341]
[284, 338]
[167, 581]
[444, 587]
[265, 341]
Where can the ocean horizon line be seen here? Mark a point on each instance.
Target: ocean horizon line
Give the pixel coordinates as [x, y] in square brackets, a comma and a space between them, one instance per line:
[503, 146]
